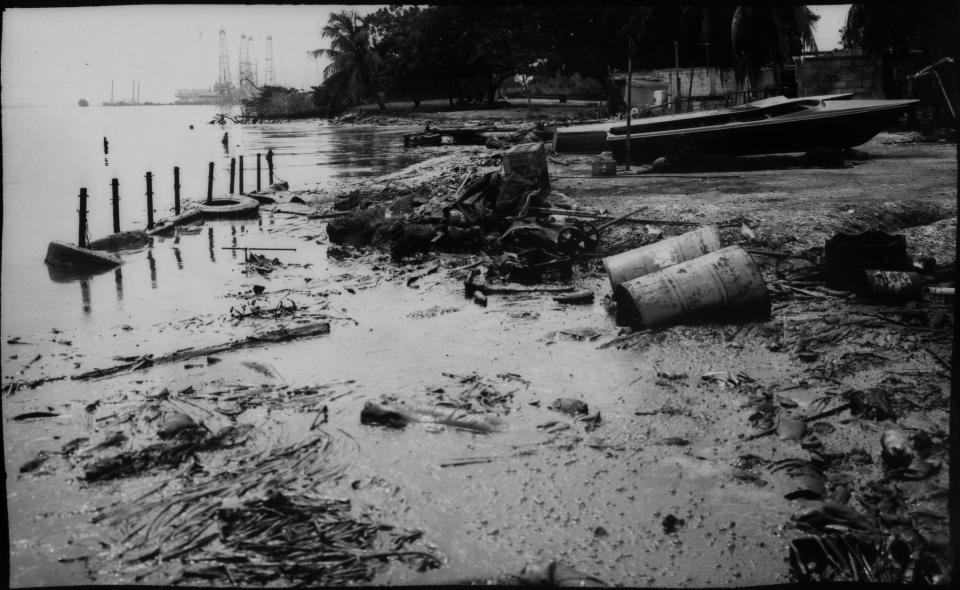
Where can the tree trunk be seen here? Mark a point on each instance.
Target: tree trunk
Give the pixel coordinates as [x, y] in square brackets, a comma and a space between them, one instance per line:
[380, 104]
[612, 91]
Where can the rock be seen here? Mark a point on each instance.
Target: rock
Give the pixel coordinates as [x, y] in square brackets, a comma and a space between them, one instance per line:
[35, 463]
[894, 450]
[671, 523]
[174, 423]
[569, 406]
[789, 429]
[661, 163]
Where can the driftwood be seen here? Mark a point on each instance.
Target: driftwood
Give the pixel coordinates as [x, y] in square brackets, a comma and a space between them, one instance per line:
[280, 335]
[506, 289]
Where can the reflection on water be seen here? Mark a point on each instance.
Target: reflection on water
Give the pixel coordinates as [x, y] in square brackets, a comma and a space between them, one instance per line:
[85, 295]
[176, 254]
[118, 281]
[213, 257]
[153, 268]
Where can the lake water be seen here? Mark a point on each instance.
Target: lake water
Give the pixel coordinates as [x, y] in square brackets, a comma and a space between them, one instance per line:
[49, 153]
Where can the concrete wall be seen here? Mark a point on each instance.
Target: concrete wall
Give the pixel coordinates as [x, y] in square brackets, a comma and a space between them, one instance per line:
[833, 73]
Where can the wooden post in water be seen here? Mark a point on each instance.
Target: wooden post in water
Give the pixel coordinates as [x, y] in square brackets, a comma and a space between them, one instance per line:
[176, 190]
[240, 175]
[149, 200]
[82, 237]
[258, 172]
[270, 165]
[115, 185]
[210, 184]
[233, 171]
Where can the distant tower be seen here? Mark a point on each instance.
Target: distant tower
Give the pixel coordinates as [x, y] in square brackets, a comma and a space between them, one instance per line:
[271, 78]
[243, 64]
[252, 62]
[223, 80]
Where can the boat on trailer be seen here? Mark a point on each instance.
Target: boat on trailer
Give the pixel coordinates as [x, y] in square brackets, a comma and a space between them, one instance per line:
[592, 138]
[798, 126]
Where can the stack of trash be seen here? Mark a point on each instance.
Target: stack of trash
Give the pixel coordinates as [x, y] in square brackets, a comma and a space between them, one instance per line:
[875, 264]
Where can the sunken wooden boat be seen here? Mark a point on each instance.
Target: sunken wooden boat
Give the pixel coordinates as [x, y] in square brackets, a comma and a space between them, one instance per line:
[75, 259]
[592, 138]
[798, 126]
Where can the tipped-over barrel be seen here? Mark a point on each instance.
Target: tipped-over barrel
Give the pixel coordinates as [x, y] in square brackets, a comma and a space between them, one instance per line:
[722, 285]
[660, 255]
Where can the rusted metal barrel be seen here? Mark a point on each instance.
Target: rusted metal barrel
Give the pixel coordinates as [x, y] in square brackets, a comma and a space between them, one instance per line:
[893, 285]
[725, 284]
[660, 255]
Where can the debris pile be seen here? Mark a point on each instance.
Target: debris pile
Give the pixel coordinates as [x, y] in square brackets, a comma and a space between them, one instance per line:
[258, 520]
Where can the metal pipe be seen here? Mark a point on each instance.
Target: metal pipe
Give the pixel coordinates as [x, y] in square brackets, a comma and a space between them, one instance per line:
[258, 172]
[233, 171]
[240, 175]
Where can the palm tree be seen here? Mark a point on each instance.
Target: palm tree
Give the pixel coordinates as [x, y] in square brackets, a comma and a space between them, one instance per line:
[352, 73]
[769, 35]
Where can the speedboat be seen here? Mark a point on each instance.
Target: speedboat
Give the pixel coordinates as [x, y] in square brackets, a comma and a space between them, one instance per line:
[797, 126]
[592, 138]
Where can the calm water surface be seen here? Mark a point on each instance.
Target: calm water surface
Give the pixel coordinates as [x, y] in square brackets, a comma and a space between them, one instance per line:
[49, 153]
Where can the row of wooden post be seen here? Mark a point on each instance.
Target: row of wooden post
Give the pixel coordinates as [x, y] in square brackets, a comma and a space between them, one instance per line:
[115, 189]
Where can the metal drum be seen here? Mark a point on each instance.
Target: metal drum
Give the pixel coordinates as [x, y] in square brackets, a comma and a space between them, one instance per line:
[725, 284]
[893, 285]
[659, 255]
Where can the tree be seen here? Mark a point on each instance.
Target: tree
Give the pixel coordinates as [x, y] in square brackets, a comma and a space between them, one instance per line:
[909, 37]
[769, 36]
[354, 68]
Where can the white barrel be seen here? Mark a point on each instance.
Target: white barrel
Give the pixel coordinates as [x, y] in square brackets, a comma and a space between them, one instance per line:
[725, 284]
[662, 254]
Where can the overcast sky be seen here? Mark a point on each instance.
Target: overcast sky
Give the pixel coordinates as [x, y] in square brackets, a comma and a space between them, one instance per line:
[55, 56]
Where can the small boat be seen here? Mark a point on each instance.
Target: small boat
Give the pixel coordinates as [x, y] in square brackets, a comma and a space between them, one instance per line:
[592, 138]
[75, 259]
[797, 126]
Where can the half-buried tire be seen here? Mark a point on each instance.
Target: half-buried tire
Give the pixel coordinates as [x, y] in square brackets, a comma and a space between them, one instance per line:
[238, 206]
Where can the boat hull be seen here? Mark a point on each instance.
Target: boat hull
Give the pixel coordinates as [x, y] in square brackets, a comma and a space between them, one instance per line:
[799, 132]
[68, 257]
[585, 139]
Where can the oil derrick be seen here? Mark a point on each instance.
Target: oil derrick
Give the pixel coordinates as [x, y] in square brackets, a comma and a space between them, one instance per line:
[252, 63]
[271, 77]
[224, 86]
[248, 77]
[243, 74]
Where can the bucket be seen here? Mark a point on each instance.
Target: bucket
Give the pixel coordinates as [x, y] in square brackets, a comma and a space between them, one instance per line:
[660, 255]
[725, 284]
[893, 285]
[658, 97]
[847, 255]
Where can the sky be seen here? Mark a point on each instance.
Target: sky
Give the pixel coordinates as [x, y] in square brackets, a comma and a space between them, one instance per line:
[56, 56]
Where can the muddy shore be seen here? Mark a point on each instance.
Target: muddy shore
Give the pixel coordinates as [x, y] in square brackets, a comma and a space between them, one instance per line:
[669, 486]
